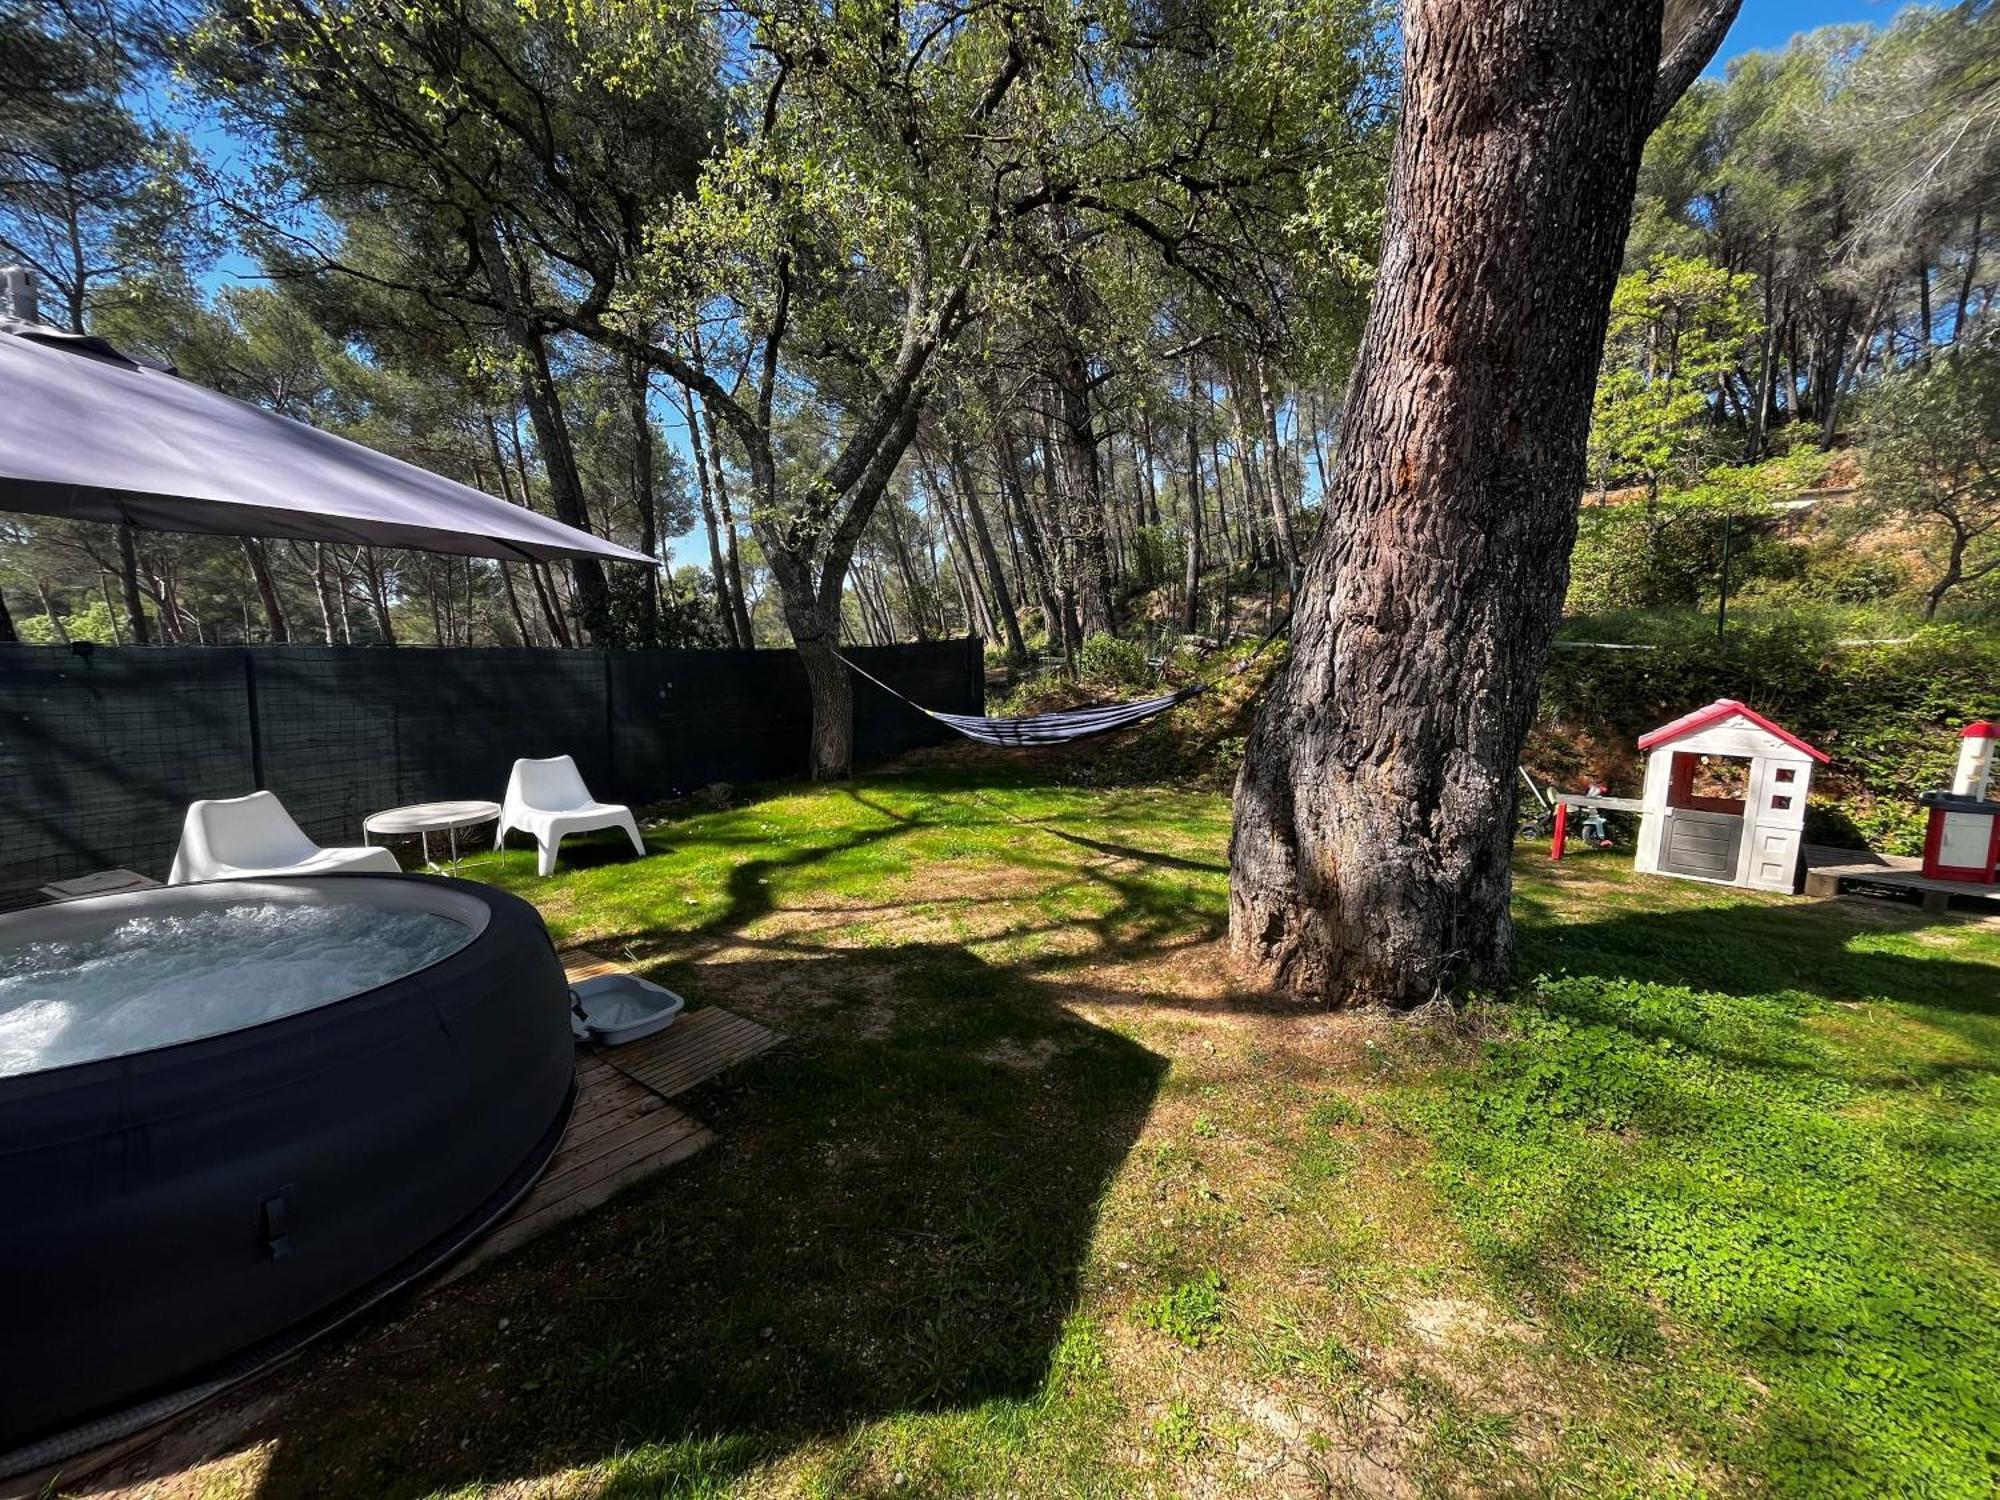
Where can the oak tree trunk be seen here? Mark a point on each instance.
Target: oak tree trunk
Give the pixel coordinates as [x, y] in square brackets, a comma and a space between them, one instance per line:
[1374, 811]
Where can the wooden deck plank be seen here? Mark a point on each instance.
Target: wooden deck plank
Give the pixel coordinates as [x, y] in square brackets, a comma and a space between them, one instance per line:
[694, 1050]
[619, 1132]
[1828, 870]
[623, 1129]
[580, 964]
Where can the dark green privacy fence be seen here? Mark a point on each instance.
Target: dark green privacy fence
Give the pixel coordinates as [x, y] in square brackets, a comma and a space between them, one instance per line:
[101, 750]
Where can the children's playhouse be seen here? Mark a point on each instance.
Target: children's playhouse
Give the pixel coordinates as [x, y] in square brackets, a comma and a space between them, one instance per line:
[1725, 798]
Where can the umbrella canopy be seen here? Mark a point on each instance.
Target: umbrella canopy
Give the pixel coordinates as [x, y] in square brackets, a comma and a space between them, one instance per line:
[89, 433]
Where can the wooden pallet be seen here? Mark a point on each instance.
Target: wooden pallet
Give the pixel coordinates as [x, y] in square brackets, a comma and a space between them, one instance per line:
[619, 1133]
[623, 1128]
[693, 1050]
[1829, 871]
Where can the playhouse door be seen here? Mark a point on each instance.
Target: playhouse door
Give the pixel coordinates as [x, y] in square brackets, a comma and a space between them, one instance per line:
[1702, 844]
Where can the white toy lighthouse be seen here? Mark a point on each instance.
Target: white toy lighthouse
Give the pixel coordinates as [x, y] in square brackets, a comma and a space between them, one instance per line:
[1963, 840]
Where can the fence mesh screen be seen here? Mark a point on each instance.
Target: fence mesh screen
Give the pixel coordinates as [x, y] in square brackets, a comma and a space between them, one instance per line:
[101, 751]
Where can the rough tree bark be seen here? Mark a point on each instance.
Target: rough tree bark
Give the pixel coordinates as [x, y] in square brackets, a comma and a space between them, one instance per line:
[1374, 812]
[1078, 491]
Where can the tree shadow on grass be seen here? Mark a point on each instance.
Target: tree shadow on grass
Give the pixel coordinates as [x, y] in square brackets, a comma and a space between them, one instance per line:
[895, 1219]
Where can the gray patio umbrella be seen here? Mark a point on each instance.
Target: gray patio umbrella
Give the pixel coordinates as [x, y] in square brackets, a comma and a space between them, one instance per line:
[89, 433]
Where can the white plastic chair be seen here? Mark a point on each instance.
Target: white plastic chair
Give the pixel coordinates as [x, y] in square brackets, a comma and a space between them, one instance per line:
[547, 798]
[238, 838]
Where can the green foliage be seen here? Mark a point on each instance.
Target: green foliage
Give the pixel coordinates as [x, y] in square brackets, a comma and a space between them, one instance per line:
[1677, 327]
[1191, 1312]
[1107, 659]
[1157, 555]
[1934, 458]
[1666, 552]
[1179, 1430]
[91, 623]
[94, 199]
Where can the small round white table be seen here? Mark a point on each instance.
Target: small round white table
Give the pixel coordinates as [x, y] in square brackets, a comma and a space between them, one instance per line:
[427, 818]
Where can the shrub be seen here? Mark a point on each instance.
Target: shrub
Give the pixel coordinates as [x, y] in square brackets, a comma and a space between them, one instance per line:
[1106, 659]
[1157, 555]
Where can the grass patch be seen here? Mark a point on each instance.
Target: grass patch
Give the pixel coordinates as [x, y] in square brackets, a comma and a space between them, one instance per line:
[1038, 1201]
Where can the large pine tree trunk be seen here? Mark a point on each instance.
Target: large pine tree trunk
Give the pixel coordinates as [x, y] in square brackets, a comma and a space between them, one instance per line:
[1374, 812]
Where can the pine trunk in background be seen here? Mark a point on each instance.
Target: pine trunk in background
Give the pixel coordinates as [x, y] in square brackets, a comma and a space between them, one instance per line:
[540, 395]
[128, 582]
[640, 392]
[267, 591]
[1374, 811]
[1014, 491]
[738, 602]
[725, 610]
[1191, 582]
[975, 513]
[378, 595]
[1274, 476]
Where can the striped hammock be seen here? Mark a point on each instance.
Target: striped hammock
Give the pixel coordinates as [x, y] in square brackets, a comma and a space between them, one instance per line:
[1061, 727]
[1065, 725]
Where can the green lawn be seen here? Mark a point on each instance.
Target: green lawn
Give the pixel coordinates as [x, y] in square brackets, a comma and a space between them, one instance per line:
[1038, 1202]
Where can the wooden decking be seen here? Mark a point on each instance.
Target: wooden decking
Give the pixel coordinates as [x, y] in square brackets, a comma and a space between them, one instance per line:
[1831, 871]
[623, 1128]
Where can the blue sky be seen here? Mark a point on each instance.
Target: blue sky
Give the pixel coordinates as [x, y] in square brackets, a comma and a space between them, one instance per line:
[1765, 25]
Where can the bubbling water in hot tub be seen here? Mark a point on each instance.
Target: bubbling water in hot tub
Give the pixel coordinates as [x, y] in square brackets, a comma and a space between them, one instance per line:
[154, 980]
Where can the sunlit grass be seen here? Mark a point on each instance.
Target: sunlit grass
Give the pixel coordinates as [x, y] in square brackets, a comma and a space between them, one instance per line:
[1039, 1200]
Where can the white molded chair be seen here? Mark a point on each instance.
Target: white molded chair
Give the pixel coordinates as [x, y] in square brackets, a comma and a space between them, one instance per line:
[238, 838]
[547, 798]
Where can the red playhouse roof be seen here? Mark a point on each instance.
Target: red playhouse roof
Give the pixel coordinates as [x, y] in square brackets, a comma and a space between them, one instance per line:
[1978, 729]
[1723, 708]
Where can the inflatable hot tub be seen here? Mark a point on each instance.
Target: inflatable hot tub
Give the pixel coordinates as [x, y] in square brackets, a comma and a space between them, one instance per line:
[234, 1114]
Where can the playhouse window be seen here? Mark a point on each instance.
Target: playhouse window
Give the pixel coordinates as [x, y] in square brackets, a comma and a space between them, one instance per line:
[1708, 783]
[1781, 804]
[1787, 774]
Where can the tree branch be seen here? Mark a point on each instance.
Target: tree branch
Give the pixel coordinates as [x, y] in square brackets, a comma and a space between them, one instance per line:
[1689, 34]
